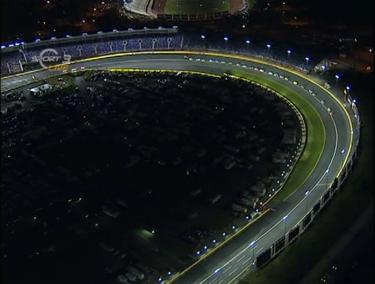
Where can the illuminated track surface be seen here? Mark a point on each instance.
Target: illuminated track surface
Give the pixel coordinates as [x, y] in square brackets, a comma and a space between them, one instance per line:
[227, 262]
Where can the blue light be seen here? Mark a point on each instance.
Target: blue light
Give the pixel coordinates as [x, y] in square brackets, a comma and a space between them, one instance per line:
[203, 36]
[226, 38]
[289, 51]
[3, 46]
[248, 41]
[337, 76]
[348, 88]
[307, 59]
[268, 45]
[285, 217]
[252, 243]
[217, 270]
[10, 45]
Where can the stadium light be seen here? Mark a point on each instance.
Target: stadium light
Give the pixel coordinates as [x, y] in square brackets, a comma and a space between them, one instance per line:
[203, 36]
[247, 41]
[226, 38]
[289, 51]
[307, 59]
[268, 45]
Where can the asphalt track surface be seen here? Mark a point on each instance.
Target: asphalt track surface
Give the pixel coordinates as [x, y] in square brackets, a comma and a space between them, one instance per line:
[226, 264]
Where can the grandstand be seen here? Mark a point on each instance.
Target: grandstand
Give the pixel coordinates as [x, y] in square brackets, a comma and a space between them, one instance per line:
[141, 7]
[186, 10]
[16, 58]
[24, 56]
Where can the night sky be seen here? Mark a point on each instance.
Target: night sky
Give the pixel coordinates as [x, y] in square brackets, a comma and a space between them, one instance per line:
[19, 17]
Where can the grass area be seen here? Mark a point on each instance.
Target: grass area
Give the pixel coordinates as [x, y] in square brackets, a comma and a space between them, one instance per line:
[175, 7]
[56, 81]
[315, 135]
[347, 205]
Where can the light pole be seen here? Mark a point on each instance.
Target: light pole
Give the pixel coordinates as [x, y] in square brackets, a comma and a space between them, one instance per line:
[203, 37]
[307, 201]
[247, 43]
[353, 105]
[337, 77]
[284, 220]
[268, 47]
[307, 60]
[226, 41]
[252, 245]
[346, 94]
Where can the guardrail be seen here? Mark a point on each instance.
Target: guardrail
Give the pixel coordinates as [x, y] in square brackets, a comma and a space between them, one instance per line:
[312, 209]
